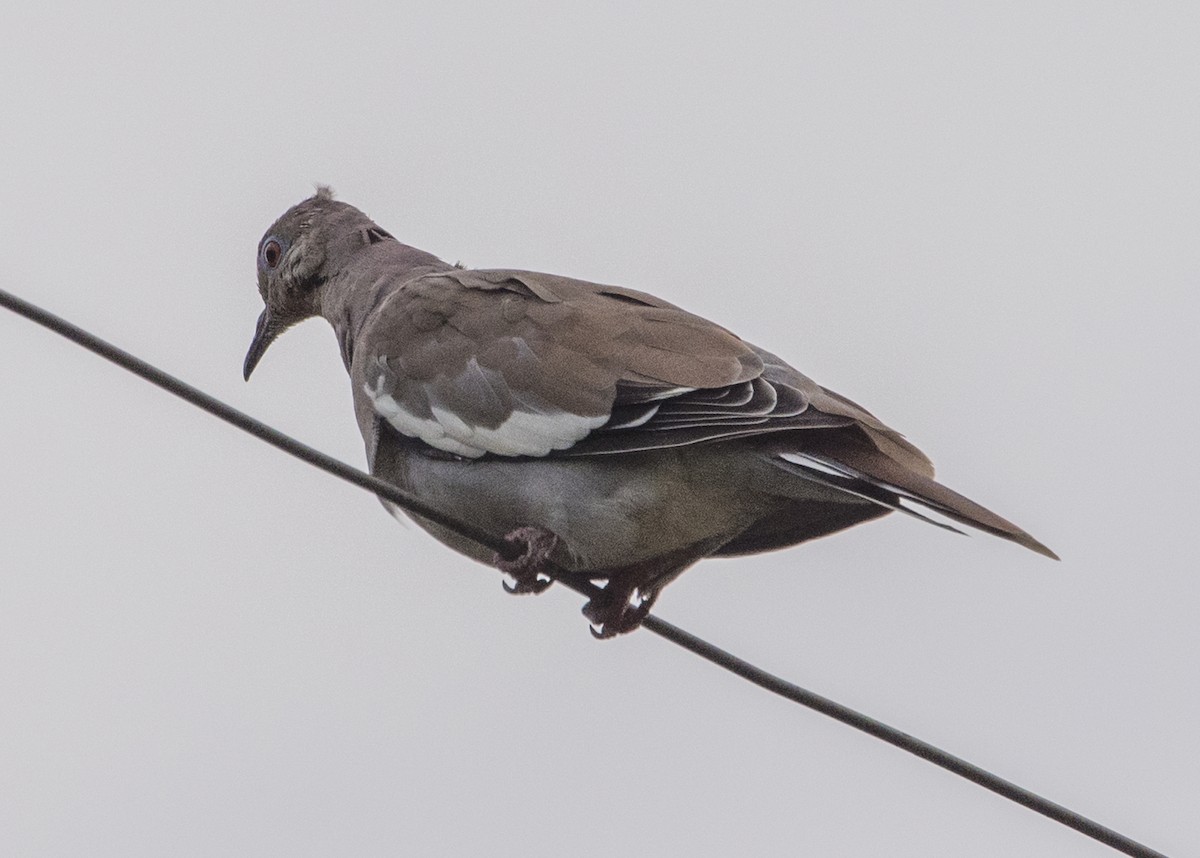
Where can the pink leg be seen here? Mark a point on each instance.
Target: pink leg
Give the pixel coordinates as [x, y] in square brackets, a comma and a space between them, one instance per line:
[528, 569]
[619, 608]
[629, 595]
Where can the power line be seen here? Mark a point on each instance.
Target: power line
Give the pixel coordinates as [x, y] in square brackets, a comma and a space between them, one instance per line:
[654, 624]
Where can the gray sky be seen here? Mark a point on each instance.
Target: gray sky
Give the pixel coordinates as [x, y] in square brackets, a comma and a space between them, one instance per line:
[978, 220]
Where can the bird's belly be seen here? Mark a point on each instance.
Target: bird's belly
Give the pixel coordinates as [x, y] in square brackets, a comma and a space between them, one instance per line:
[609, 511]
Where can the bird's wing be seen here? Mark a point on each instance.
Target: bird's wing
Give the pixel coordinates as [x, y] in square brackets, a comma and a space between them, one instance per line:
[516, 363]
[778, 399]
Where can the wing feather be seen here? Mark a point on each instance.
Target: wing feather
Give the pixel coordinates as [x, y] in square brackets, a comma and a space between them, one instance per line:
[515, 363]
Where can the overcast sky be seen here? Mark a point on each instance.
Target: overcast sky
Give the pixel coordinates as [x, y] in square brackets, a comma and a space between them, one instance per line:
[978, 220]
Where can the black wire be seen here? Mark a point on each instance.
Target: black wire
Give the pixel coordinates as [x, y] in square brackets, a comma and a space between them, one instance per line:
[658, 626]
[901, 740]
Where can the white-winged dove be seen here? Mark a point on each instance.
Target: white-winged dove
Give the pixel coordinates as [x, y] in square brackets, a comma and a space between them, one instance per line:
[595, 427]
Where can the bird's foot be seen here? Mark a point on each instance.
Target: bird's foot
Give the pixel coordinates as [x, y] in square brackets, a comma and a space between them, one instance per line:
[528, 569]
[616, 609]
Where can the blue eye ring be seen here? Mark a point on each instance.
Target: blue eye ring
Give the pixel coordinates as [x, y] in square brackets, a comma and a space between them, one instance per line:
[272, 253]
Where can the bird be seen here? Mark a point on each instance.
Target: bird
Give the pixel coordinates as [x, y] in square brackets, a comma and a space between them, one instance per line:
[595, 430]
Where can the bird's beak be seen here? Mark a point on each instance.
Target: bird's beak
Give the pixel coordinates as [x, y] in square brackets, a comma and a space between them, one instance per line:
[264, 333]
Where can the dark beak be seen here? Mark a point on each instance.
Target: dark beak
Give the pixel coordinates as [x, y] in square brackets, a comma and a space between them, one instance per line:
[264, 334]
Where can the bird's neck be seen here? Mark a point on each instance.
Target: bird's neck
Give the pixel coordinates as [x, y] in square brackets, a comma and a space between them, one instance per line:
[349, 298]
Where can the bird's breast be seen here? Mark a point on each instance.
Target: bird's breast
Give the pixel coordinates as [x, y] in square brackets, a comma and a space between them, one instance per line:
[609, 511]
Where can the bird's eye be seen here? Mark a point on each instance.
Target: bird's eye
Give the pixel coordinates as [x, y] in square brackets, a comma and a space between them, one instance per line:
[272, 253]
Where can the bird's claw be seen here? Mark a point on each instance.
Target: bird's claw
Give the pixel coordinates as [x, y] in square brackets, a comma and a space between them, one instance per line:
[521, 586]
[528, 569]
[617, 610]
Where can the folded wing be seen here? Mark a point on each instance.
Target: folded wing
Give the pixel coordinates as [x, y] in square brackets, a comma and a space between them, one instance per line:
[515, 363]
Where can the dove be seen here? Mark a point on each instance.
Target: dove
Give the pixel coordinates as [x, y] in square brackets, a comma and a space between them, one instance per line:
[597, 430]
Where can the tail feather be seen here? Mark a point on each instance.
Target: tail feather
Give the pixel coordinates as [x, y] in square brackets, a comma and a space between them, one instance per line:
[828, 472]
[863, 470]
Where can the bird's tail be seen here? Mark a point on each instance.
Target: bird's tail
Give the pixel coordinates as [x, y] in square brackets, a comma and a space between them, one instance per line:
[860, 468]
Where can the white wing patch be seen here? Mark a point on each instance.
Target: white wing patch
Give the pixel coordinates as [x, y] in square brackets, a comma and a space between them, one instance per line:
[524, 433]
[429, 431]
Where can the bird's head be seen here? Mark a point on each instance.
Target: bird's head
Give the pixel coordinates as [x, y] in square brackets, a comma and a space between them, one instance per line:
[297, 256]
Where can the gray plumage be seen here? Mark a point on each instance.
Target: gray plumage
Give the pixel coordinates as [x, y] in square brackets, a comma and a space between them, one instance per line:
[597, 427]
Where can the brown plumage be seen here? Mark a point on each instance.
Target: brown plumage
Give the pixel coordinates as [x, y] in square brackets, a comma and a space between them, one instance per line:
[599, 427]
